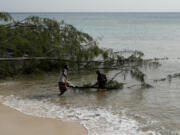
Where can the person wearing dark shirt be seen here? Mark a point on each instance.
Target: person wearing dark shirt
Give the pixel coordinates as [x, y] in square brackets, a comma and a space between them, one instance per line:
[101, 80]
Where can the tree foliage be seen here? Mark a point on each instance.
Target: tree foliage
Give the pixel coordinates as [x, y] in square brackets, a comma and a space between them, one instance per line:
[35, 37]
[5, 17]
[44, 37]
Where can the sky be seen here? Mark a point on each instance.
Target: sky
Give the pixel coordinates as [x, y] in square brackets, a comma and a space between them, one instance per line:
[90, 5]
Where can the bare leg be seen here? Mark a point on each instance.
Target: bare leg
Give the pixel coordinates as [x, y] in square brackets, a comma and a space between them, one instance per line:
[62, 92]
[62, 88]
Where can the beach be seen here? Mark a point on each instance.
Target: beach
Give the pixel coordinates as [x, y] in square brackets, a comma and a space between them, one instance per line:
[17, 123]
[133, 110]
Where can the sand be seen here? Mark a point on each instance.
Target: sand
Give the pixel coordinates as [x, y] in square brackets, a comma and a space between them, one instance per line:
[13, 122]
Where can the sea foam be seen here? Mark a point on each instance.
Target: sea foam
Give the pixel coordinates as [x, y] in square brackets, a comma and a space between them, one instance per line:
[97, 120]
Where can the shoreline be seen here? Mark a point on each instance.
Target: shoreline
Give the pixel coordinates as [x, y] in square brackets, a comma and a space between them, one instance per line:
[18, 123]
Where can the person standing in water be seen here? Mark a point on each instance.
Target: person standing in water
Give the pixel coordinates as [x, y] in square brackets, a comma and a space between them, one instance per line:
[101, 80]
[63, 80]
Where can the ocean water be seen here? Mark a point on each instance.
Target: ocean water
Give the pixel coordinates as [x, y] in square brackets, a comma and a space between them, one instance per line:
[130, 111]
[156, 34]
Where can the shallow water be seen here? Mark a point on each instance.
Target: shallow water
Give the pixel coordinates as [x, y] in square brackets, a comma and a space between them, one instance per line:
[127, 112]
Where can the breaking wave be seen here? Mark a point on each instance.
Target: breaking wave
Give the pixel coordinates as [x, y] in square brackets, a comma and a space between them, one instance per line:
[97, 120]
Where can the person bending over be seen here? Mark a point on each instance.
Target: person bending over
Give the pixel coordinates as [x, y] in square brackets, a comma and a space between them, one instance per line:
[63, 80]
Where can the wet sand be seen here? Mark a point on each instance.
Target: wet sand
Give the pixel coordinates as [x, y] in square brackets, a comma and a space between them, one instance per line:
[13, 122]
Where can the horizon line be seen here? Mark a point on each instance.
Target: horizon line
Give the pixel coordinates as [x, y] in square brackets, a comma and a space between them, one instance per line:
[96, 12]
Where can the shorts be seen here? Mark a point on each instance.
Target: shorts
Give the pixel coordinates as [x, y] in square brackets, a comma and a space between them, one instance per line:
[62, 86]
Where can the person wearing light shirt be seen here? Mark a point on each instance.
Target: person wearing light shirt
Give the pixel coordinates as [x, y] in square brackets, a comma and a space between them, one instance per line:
[63, 80]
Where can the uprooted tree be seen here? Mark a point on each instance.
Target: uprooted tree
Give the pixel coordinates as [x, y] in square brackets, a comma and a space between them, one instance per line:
[43, 37]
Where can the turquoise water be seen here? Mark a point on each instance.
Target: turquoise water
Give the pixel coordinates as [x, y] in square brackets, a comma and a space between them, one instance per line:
[135, 111]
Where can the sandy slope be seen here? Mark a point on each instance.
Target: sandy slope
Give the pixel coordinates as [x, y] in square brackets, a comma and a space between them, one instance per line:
[13, 122]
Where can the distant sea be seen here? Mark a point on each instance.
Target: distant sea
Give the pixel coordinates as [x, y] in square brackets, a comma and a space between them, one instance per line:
[156, 34]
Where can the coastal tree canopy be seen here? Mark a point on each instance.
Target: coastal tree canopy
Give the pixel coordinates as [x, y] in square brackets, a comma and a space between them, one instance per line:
[44, 37]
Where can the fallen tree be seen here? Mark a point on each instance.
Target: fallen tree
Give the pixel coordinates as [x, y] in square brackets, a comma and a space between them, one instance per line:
[37, 44]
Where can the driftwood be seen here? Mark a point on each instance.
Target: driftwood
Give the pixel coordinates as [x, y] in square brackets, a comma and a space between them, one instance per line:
[110, 85]
[47, 58]
[83, 87]
[31, 58]
[92, 87]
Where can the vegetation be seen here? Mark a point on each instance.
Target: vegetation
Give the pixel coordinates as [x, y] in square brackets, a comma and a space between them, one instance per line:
[169, 77]
[43, 37]
[110, 85]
